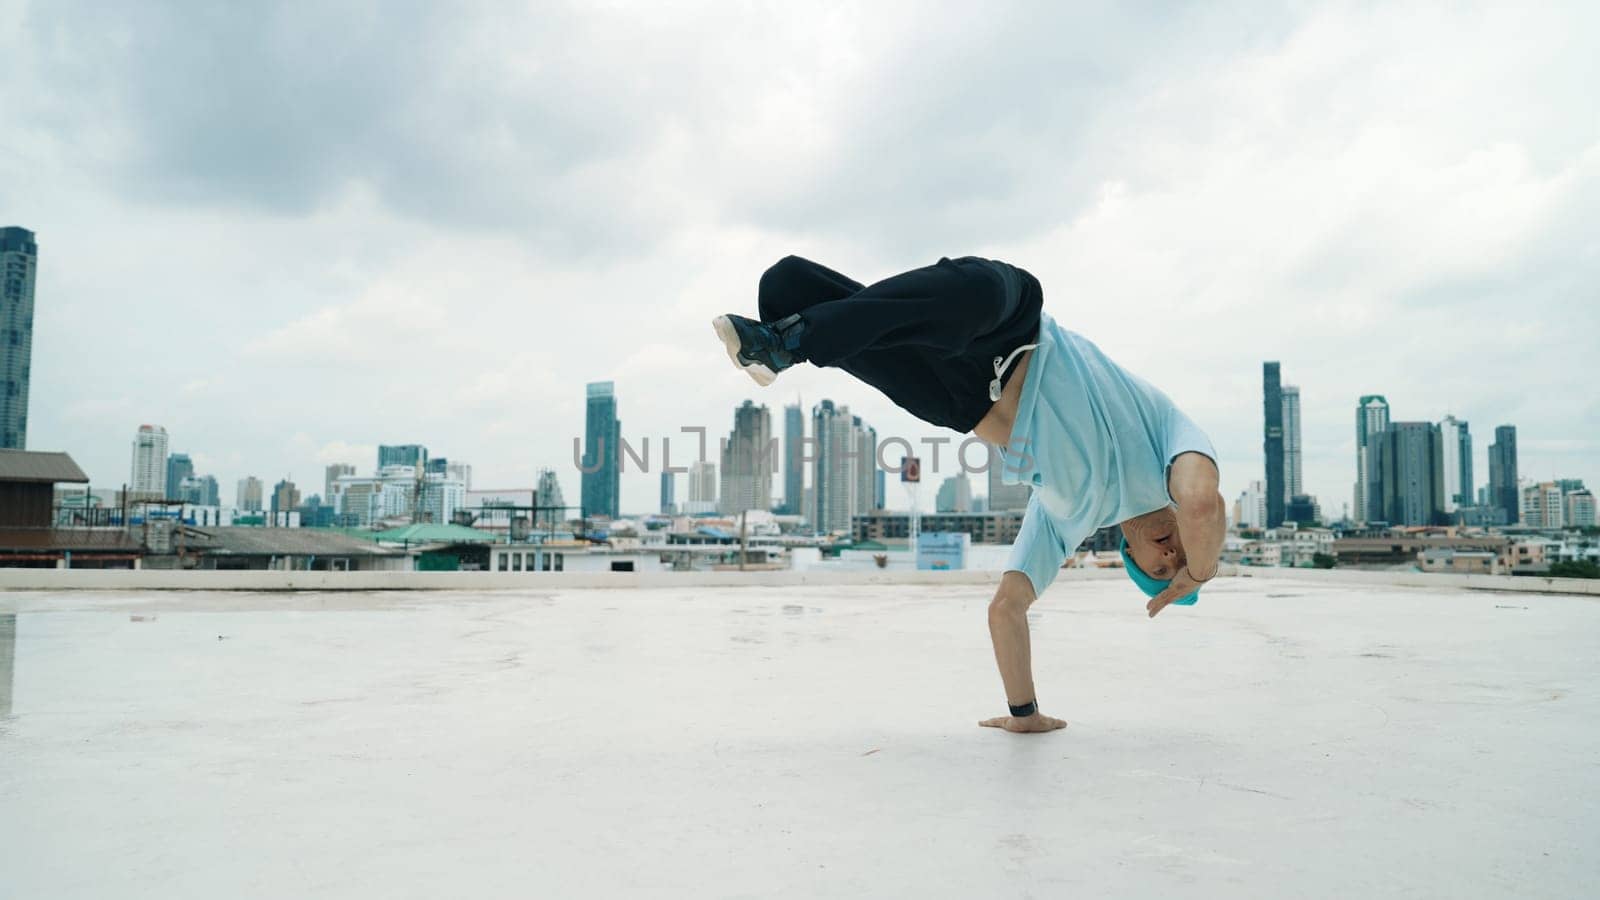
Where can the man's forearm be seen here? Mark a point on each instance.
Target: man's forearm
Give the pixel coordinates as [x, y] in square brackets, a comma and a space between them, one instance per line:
[1008, 629]
[1202, 526]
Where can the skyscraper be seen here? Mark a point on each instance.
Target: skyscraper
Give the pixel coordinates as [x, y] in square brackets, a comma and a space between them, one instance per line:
[1411, 472]
[1272, 444]
[1503, 472]
[794, 432]
[1003, 496]
[149, 477]
[179, 467]
[285, 497]
[548, 494]
[208, 494]
[1457, 453]
[702, 487]
[836, 477]
[865, 438]
[748, 457]
[19, 262]
[330, 482]
[1291, 441]
[247, 496]
[1580, 509]
[1372, 417]
[402, 455]
[955, 494]
[602, 476]
[1250, 510]
[669, 504]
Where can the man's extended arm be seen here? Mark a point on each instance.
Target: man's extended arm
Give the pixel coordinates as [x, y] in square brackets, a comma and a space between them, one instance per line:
[1008, 628]
[1202, 523]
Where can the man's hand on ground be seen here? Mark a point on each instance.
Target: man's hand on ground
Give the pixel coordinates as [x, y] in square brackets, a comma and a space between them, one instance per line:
[1023, 724]
[1182, 585]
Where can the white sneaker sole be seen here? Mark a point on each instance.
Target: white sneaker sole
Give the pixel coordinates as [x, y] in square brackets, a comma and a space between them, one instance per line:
[729, 336]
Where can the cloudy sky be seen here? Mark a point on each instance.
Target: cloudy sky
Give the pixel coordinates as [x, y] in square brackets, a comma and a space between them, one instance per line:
[290, 232]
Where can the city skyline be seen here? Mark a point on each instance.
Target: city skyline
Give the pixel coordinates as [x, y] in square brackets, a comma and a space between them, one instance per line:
[280, 304]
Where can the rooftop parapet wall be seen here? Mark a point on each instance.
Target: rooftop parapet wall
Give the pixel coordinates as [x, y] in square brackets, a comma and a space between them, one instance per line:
[150, 579]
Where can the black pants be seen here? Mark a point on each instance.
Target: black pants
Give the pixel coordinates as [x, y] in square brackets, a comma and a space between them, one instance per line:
[925, 338]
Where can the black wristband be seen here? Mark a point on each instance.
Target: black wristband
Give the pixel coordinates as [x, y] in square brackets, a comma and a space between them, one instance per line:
[1025, 710]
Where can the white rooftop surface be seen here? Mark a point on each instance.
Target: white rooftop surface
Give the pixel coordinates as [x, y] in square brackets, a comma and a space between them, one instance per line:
[1282, 738]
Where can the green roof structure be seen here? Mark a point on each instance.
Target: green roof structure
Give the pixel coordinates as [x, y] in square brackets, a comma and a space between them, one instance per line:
[436, 534]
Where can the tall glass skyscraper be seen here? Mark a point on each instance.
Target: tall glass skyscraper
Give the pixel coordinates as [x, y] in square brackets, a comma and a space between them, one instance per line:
[1503, 472]
[179, 467]
[1292, 482]
[794, 433]
[602, 436]
[1456, 447]
[1372, 419]
[19, 261]
[1272, 443]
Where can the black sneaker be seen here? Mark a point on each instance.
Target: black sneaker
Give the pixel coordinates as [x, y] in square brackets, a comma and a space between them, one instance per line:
[761, 349]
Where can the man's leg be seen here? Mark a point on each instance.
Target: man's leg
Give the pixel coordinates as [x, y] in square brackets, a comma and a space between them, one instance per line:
[942, 307]
[794, 284]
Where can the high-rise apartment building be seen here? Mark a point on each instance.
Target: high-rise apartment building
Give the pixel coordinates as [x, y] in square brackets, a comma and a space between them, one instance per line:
[1580, 509]
[1372, 419]
[1457, 453]
[1542, 505]
[702, 487]
[149, 476]
[1272, 441]
[1250, 510]
[285, 497]
[955, 494]
[247, 496]
[1411, 472]
[330, 482]
[19, 265]
[749, 456]
[837, 475]
[1503, 490]
[866, 442]
[1291, 442]
[602, 473]
[794, 433]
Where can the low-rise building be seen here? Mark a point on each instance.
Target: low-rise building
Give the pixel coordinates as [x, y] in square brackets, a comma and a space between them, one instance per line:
[1459, 562]
[1261, 553]
[35, 534]
[279, 549]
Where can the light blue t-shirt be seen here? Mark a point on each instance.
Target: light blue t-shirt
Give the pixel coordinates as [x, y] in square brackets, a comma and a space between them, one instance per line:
[1095, 442]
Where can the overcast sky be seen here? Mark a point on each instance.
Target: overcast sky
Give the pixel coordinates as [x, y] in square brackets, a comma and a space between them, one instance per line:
[292, 232]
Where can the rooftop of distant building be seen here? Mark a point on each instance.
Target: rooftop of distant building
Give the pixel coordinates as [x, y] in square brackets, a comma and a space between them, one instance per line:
[771, 735]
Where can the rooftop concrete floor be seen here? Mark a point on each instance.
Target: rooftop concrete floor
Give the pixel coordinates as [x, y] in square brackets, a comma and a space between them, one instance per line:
[1279, 739]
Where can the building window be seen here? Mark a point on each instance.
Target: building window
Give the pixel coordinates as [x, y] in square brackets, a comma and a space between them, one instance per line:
[516, 562]
[504, 562]
[558, 562]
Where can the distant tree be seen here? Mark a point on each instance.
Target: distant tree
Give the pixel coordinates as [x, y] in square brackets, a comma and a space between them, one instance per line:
[1323, 560]
[1582, 568]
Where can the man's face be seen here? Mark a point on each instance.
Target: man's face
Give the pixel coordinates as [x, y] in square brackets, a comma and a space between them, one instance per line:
[1154, 544]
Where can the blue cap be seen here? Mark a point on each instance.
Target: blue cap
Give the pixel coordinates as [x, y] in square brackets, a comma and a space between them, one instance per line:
[1151, 586]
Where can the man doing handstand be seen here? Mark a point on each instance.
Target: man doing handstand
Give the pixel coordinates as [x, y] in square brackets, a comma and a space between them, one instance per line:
[965, 344]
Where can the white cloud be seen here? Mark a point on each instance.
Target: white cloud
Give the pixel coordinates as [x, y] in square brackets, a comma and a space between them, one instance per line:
[303, 255]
